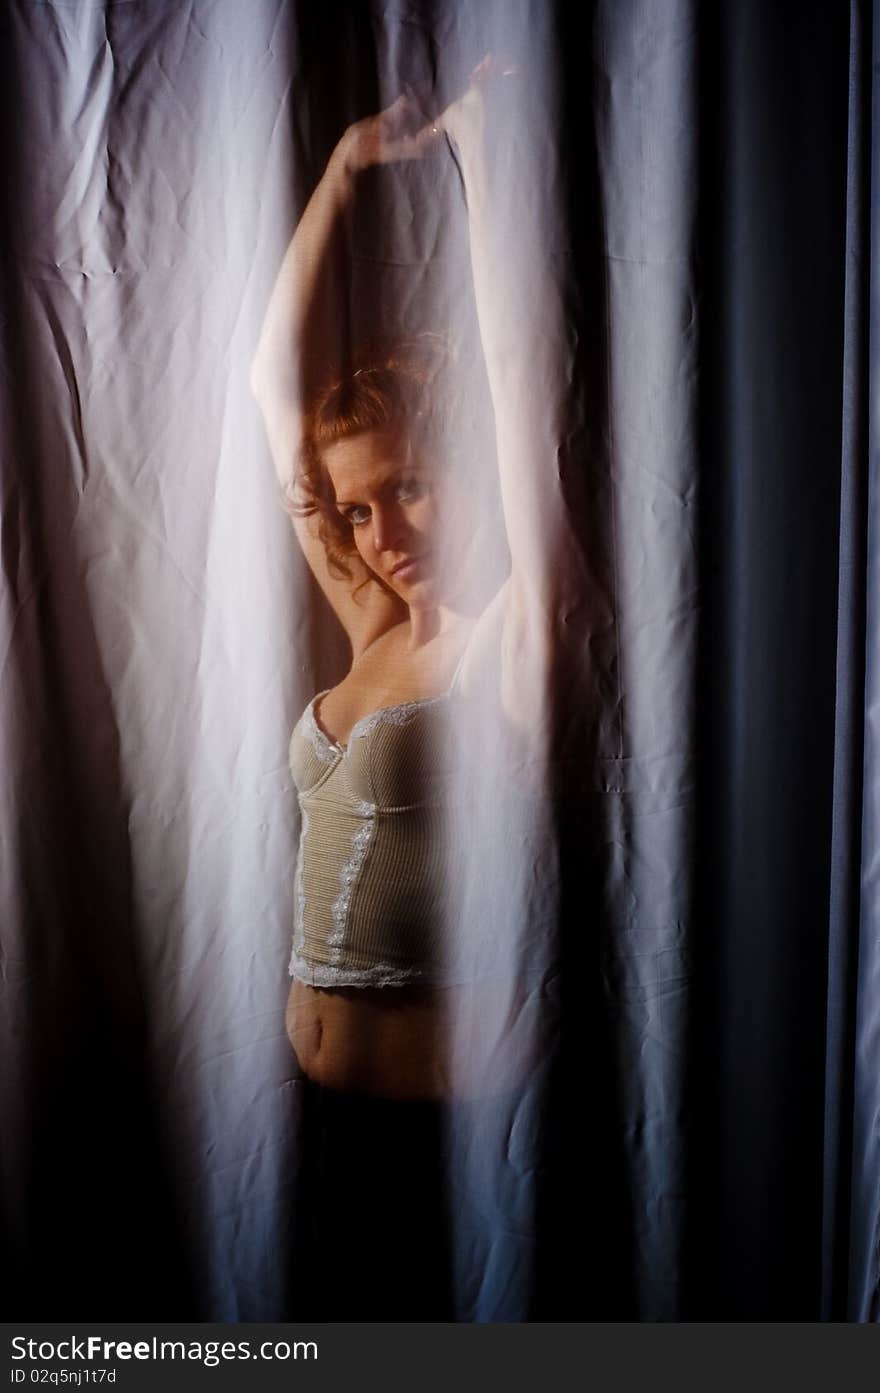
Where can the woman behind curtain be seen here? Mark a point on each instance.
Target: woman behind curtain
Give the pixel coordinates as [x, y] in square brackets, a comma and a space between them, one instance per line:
[382, 496]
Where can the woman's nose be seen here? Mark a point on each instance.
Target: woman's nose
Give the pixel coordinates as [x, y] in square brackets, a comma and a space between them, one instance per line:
[386, 528]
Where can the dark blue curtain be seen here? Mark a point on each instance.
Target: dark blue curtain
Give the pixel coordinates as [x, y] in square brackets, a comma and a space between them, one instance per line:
[784, 1177]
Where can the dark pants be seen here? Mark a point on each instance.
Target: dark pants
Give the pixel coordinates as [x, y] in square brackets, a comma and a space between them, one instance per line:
[371, 1237]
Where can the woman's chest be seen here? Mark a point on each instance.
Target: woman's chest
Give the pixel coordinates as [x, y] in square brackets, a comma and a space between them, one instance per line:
[396, 756]
[397, 682]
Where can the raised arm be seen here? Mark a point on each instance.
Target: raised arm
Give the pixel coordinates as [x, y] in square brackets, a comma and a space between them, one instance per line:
[305, 332]
[517, 270]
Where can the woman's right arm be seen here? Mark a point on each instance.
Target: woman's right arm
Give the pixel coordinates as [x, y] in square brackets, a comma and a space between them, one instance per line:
[304, 336]
[301, 336]
[298, 330]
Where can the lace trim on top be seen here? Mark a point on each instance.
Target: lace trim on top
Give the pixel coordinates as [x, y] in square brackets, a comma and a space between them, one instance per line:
[379, 975]
[399, 715]
[360, 844]
[323, 746]
[328, 750]
[299, 920]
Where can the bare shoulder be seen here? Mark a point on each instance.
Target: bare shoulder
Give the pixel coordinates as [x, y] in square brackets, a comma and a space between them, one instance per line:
[390, 672]
[383, 657]
[377, 678]
[392, 663]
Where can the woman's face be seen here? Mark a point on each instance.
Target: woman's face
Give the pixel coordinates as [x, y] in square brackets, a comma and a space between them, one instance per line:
[387, 492]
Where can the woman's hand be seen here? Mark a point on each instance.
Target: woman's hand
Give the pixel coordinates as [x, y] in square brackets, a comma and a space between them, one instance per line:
[398, 133]
[403, 132]
[464, 120]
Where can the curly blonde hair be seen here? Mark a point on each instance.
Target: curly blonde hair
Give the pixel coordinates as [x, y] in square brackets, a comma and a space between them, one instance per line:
[393, 389]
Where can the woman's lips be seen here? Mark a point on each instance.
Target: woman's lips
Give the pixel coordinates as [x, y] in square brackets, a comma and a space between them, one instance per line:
[408, 569]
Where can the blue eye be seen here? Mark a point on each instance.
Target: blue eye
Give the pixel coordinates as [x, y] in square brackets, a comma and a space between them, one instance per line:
[357, 516]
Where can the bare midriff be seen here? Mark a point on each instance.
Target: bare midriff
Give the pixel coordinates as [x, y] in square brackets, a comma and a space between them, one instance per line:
[395, 1042]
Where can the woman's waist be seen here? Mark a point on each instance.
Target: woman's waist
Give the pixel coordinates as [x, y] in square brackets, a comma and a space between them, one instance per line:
[383, 1041]
[415, 1041]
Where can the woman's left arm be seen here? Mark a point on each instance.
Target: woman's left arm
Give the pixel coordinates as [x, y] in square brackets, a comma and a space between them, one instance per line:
[517, 272]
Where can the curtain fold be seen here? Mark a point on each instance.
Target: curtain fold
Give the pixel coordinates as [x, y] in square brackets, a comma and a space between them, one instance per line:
[644, 86]
[863, 1286]
[849, 756]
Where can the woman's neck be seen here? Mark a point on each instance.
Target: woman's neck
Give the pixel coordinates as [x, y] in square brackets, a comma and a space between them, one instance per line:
[427, 624]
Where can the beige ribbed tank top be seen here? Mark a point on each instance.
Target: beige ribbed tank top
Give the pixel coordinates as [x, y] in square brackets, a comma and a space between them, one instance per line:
[372, 868]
